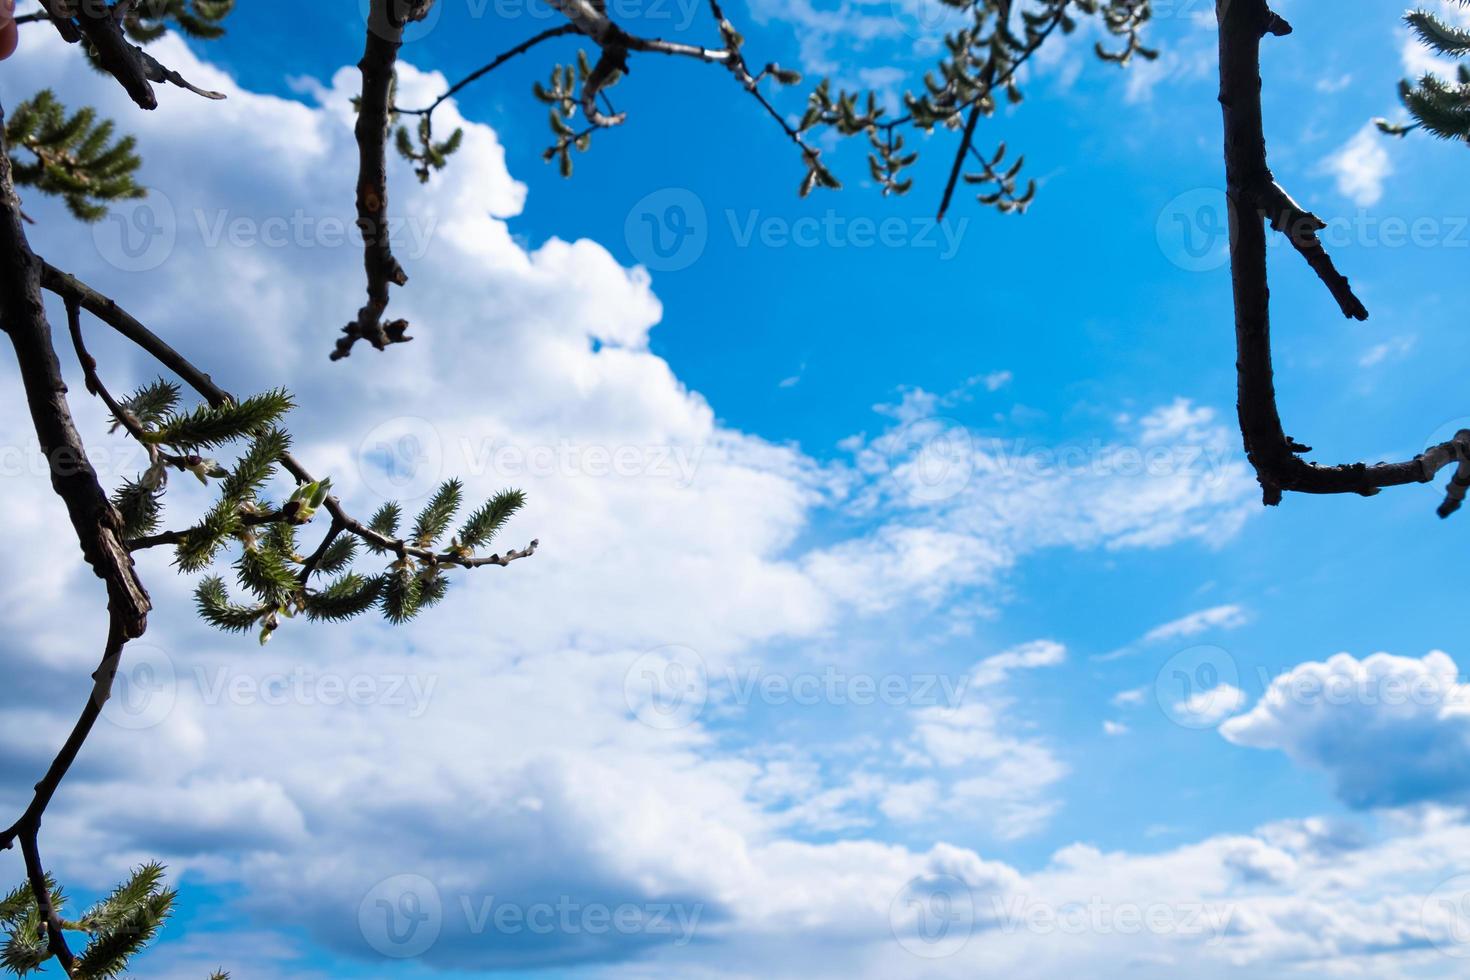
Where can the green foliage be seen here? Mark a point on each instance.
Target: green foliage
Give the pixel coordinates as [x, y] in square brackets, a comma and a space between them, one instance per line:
[385, 522]
[117, 928]
[980, 61]
[1001, 184]
[1438, 106]
[481, 527]
[346, 597]
[150, 404]
[428, 155]
[434, 519]
[208, 426]
[73, 156]
[564, 94]
[282, 582]
[148, 20]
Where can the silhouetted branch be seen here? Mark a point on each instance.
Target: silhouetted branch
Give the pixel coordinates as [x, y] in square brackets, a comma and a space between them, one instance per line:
[1253, 198]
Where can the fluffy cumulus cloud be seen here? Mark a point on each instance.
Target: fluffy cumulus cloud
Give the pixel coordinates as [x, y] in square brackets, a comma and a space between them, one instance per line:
[355, 782]
[1388, 730]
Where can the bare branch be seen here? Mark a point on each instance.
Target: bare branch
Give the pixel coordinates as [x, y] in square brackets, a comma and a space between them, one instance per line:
[97, 523]
[1253, 194]
[380, 55]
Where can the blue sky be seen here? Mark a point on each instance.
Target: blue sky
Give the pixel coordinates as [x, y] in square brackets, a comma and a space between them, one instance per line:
[992, 466]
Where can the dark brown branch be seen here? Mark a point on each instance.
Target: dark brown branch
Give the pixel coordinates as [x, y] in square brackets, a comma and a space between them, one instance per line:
[118, 56]
[614, 61]
[30, 849]
[179, 537]
[27, 829]
[97, 524]
[374, 108]
[94, 382]
[65, 26]
[1276, 458]
[314, 559]
[1300, 227]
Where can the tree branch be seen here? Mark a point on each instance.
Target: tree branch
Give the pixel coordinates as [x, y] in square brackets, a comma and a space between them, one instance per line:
[1253, 195]
[106, 310]
[97, 524]
[380, 55]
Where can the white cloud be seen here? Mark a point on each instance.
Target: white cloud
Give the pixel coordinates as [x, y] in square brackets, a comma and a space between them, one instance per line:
[1389, 730]
[1215, 618]
[1361, 167]
[1028, 656]
[1209, 707]
[1131, 698]
[1114, 728]
[1394, 347]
